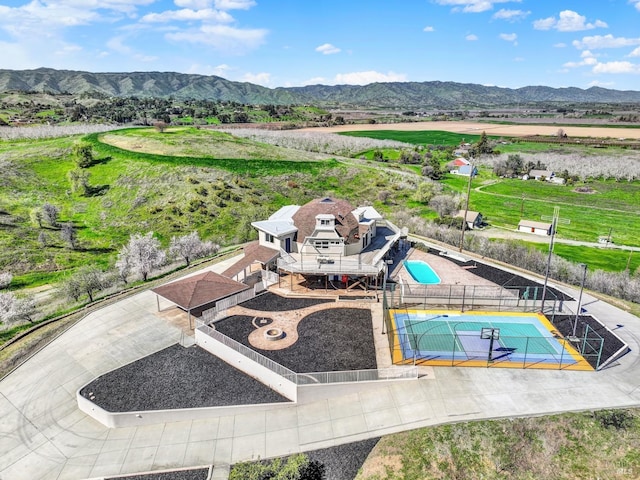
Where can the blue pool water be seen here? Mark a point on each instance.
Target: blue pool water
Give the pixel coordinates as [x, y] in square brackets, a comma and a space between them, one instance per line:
[422, 272]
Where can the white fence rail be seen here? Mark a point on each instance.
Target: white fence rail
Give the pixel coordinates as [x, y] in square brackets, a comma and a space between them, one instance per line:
[315, 378]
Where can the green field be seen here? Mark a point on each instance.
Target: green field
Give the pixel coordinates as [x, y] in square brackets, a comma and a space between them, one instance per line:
[423, 137]
[614, 207]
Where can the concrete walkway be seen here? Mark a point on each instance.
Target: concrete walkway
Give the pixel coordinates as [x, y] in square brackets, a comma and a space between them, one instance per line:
[43, 435]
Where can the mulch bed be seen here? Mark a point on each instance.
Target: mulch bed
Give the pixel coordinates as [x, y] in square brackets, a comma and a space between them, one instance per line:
[194, 474]
[329, 340]
[177, 377]
[612, 344]
[270, 302]
[506, 279]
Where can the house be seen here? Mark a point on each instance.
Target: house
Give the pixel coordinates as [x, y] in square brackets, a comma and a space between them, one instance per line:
[460, 162]
[542, 174]
[537, 228]
[329, 237]
[465, 170]
[474, 219]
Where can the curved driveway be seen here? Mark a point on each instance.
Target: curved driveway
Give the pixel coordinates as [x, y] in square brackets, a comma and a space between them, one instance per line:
[43, 435]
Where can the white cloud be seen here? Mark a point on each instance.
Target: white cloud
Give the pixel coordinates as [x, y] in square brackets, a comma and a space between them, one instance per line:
[117, 45]
[588, 59]
[364, 78]
[222, 37]
[568, 21]
[471, 37]
[234, 4]
[428, 28]
[597, 83]
[188, 15]
[510, 15]
[259, 78]
[472, 6]
[222, 70]
[327, 49]
[560, 45]
[635, 53]
[315, 81]
[605, 41]
[193, 4]
[617, 67]
[509, 37]
[635, 3]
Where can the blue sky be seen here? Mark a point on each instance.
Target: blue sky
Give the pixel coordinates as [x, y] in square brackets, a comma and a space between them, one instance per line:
[508, 43]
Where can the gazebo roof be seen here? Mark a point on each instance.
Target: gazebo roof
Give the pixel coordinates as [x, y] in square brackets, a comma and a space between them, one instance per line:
[198, 290]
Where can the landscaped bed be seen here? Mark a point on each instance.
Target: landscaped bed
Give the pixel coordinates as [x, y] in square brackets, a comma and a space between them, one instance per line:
[334, 339]
[177, 377]
[270, 302]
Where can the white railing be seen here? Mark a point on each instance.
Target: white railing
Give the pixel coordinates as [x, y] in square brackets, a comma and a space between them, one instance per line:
[269, 278]
[215, 313]
[314, 378]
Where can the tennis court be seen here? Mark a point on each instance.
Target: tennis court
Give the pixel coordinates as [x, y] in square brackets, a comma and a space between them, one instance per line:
[495, 339]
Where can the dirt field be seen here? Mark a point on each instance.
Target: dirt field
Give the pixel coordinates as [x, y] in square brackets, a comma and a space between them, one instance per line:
[491, 129]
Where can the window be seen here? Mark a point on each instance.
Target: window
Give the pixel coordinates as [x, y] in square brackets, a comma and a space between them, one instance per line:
[269, 238]
[325, 222]
[321, 244]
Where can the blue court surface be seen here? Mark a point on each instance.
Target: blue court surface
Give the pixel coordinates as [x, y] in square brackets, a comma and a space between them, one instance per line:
[505, 339]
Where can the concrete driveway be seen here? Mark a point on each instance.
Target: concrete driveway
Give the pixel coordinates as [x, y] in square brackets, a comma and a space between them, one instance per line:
[43, 435]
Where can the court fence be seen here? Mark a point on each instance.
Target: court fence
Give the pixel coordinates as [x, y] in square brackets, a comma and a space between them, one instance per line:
[462, 347]
[471, 297]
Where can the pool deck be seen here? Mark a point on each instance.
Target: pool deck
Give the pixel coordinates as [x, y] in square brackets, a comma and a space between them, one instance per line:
[44, 436]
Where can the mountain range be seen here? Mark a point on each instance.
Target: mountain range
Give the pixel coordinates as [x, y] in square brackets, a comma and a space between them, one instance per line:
[413, 95]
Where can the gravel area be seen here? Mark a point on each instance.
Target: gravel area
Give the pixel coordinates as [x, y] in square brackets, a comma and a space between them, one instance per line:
[341, 462]
[506, 279]
[344, 461]
[270, 302]
[194, 474]
[336, 339]
[177, 377]
[612, 344]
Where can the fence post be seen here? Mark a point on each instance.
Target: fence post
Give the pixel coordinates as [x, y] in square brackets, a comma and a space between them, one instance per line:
[526, 350]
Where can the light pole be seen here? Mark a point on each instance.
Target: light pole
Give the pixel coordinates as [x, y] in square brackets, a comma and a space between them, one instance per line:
[584, 277]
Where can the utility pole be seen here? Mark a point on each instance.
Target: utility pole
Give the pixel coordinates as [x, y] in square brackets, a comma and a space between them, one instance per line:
[466, 207]
[554, 223]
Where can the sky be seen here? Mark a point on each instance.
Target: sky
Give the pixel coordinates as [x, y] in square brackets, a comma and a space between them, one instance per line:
[285, 43]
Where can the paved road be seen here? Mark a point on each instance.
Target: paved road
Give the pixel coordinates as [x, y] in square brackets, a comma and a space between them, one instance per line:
[43, 435]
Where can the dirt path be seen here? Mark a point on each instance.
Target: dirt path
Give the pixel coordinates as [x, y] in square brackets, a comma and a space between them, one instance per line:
[490, 128]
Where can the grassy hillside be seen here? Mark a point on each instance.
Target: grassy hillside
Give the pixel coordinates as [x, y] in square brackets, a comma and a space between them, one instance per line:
[573, 446]
[217, 186]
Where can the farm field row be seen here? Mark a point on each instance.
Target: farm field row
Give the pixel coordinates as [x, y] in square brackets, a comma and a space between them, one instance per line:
[472, 128]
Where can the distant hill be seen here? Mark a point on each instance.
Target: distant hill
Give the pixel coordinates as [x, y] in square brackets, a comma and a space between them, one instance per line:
[413, 95]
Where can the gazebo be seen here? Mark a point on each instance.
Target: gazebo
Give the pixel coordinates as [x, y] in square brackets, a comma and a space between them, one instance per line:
[198, 291]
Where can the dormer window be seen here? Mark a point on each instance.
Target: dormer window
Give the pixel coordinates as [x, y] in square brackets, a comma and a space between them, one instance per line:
[325, 221]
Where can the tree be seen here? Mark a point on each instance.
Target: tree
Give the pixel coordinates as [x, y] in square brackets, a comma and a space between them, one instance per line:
[13, 308]
[70, 288]
[140, 256]
[426, 190]
[36, 216]
[90, 279]
[189, 247]
[481, 147]
[50, 214]
[160, 126]
[83, 154]
[444, 205]
[79, 179]
[69, 235]
[5, 279]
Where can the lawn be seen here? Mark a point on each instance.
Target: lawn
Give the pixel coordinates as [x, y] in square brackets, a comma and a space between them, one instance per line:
[590, 215]
[608, 259]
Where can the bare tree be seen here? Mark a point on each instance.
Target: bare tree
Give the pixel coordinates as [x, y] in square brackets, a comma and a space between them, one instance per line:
[70, 288]
[50, 214]
[143, 254]
[91, 280]
[14, 309]
[189, 247]
[5, 279]
[444, 205]
[69, 235]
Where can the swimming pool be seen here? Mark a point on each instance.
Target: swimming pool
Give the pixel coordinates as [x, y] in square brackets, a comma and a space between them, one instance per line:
[422, 272]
